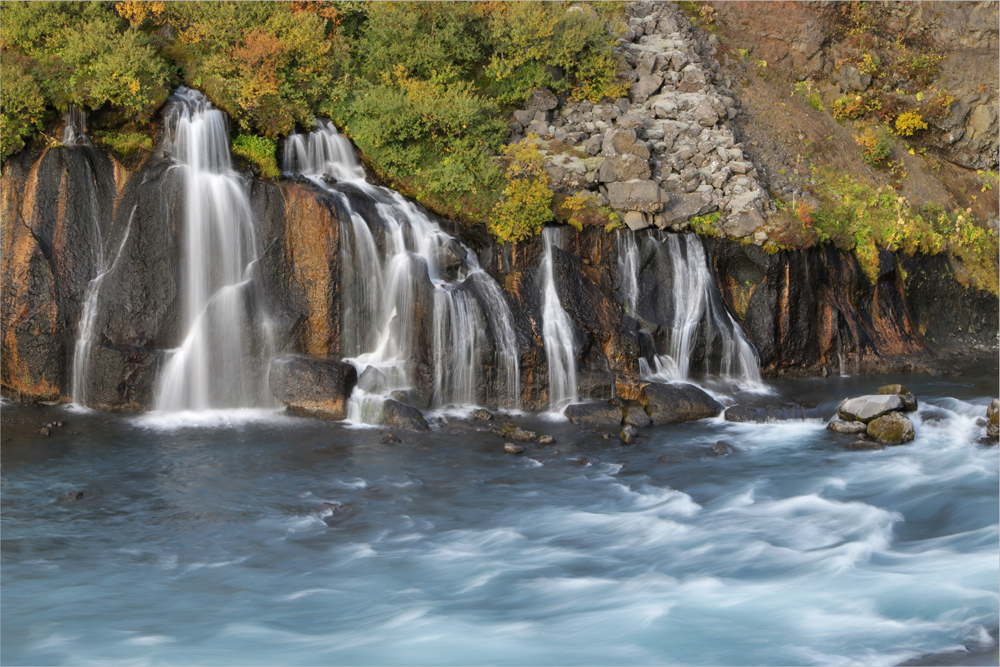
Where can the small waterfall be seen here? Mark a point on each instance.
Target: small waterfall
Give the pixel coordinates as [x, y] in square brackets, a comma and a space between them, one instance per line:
[222, 361]
[413, 267]
[697, 314]
[557, 332]
[75, 127]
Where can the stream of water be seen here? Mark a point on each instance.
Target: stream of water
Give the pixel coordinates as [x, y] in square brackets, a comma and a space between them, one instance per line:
[259, 538]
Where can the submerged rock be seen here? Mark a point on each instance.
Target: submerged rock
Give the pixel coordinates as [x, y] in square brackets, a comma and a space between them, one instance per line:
[721, 448]
[866, 408]
[512, 448]
[909, 400]
[313, 387]
[675, 403]
[891, 429]
[865, 445]
[629, 435]
[390, 439]
[594, 414]
[515, 432]
[761, 415]
[847, 427]
[403, 416]
[546, 440]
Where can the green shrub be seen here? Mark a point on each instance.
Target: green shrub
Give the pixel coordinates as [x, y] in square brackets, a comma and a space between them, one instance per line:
[259, 151]
[526, 204]
[705, 224]
[126, 144]
[22, 103]
[876, 146]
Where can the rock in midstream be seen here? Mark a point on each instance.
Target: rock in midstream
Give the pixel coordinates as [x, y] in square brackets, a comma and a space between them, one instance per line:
[313, 387]
[891, 429]
[866, 408]
[675, 403]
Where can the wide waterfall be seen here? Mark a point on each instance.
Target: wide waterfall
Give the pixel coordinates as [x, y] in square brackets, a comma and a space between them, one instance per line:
[697, 316]
[222, 360]
[414, 298]
[557, 333]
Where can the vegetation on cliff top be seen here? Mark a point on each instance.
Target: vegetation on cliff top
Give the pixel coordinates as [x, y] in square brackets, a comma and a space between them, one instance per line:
[421, 88]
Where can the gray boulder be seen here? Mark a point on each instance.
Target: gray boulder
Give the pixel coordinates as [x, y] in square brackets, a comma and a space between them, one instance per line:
[647, 85]
[847, 427]
[624, 167]
[636, 416]
[594, 413]
[403, 416]
[312, 387]
[683, 207]
[866, 408]
[891, 429]
[629, 435]
[542, 98]
[637, 195]
[909, 400]
[675, 403]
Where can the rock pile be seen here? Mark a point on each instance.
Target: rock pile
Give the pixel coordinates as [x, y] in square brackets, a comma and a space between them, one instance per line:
[877, 417]
[665, 153]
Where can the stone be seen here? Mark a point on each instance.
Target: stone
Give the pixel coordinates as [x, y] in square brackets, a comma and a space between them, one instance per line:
[636, 220]
[636, 416]
[542, 98]
[721, 448]
[683, 207]
[664, 106]
[629, 435]
[647, 85]
[482, 414]
[400, 415]
[512, 448]
[675, 403]
[594, 413]
[993, 419]
[515, 432]
[546, 440]
[763, 415]
[891, 429]
[865, 445]
[390, 439]
[593, 145]
[625, 167]
[524, 117]
[637, 195]
[851, 78]
[909, 400]
[705, 114]
[866, 408]
[692, 80]
[44, 430]
[312, 387]
[538, 127]
[847, 427]
[372, 380]
[72, 495]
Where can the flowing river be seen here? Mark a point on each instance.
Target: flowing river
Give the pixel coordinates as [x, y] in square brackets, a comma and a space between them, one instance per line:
[251, 537]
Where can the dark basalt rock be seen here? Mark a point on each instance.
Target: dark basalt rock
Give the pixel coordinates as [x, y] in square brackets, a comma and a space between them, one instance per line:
[762, 415]
[636, 416]
[314, 387]
[675, 403]
[594, 414]
[721, 448]
[403, 416]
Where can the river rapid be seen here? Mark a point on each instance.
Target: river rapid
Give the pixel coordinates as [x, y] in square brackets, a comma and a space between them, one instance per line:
[251, 537]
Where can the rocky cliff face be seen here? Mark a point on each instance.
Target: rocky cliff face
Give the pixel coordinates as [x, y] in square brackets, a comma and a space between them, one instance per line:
[69, 210]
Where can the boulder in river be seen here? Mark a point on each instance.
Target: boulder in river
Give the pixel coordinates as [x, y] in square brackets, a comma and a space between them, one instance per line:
[721, 448]
[866, 408]
[891, 429]
[400, 415]
[909, 400]
[675, 403]
[515, 432]
[847, 427]
[993, 419]
[313, 387]
[629, 435]
[594, 413]
[513, 448]
[482, 414]
[636, 416]
[763, 415]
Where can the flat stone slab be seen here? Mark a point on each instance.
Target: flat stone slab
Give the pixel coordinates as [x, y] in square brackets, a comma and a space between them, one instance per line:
[866, 408]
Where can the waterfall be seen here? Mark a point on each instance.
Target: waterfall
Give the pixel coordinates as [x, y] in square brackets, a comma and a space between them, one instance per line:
[697, 314]
[557, 333]
[75, 127]
[414, 267]
[222, 360]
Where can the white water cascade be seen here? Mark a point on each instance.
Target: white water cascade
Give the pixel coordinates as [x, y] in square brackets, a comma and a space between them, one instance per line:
[557, 334]
[223, 358]
[696, 309]
[472, 345]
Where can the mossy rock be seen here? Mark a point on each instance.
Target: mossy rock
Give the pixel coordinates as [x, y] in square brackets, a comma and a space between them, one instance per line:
[891, 429]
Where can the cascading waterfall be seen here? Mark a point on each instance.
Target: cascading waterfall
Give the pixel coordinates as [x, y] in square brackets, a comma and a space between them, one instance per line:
[473, 347]
[223, 358]
[696, 308]
[557, 334]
